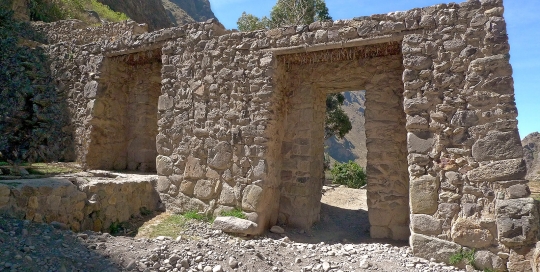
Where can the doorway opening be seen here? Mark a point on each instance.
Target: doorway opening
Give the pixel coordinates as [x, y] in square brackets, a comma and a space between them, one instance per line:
[304, 80]
[124, 124]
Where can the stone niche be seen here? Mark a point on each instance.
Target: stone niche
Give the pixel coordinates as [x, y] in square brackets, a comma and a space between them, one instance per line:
[125, 113]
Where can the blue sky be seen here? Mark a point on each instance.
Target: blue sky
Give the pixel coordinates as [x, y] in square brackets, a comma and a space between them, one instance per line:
[522, 20]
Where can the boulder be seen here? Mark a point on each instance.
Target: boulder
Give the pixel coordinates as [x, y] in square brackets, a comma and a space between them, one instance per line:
[232, 224]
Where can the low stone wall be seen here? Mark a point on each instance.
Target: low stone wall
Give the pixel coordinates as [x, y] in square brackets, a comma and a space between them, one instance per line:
[81, 203]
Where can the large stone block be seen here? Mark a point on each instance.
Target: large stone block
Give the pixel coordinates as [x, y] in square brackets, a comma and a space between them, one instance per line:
[194, 169]
[164, 165]
[234, 225]
[424, 195]
[220, 157]
[251, 198]
[498, 146]
[425, 224]
[470, 233]
[512, 169]
[206, 189]
[430, 247]
[517, 221]
[419, 142]
[486, 261]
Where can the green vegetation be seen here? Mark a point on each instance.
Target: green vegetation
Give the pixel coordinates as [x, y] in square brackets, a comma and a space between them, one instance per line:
[49, 169]
[197, 216]
[54, 10]
[235, 213]
[462, 255]
[349, 174]
[286, 12]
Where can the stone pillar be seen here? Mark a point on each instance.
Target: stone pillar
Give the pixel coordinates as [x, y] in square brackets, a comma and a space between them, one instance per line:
[387, 189]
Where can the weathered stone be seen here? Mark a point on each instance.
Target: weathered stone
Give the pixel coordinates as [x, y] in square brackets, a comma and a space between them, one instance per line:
[498, 146]
[90, 89]
[193, 169]
[464, 119]
[499, 170]
[425, 224]
[424, 195]
[517, 191]
[234, 225]
[485, 260]
[164, 165]
[470, 233]
[517, 222]
[220, 157]
[419, 142]
[205, 189]
[227, 196]
[251, 198]
[433, 248]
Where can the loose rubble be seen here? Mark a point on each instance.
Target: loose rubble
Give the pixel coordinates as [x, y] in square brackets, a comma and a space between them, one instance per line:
[29, 246]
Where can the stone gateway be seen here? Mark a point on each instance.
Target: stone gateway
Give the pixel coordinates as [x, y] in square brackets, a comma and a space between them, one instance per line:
[238, 120]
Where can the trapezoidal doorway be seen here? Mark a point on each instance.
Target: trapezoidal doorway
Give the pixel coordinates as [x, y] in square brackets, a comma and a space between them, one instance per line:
[124, 124]
[304, 80]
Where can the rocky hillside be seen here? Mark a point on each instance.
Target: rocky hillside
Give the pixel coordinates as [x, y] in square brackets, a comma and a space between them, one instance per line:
[163, 13]
[150, 12]
[353, 145]
[531, 152]
[188, 11]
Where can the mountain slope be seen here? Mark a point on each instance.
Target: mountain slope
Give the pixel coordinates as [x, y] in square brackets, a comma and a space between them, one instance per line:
[188, 11]
[531, 154]
[353, 145]
[150, 12]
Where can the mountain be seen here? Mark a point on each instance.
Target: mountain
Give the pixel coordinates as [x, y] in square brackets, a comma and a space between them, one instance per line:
[150, 12]
[531, 154]
[353, 145]
[188, 11]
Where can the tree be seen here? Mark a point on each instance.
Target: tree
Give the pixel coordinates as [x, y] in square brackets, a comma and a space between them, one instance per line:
[286, 12]
[303, 12]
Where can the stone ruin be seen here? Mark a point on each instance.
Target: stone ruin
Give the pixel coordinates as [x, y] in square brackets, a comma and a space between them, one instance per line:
[235, 120]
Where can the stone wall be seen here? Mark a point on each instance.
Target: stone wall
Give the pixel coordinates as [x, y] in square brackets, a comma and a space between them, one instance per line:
[80, 203]
[240, 122]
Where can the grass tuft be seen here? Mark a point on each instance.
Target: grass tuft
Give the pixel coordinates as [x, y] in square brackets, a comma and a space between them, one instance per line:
[235, 213]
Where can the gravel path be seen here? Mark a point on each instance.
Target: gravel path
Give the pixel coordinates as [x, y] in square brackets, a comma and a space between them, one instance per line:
[29, 246]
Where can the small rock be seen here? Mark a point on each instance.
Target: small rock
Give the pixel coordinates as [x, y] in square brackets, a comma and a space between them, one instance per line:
[277, 229]
[217, 268]
[233, 263]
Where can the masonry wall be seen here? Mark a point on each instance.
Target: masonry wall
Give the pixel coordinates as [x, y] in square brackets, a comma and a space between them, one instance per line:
[223, 120]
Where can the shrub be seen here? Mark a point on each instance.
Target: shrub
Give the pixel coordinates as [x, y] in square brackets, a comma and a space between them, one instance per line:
[462, 255]
[349, 174]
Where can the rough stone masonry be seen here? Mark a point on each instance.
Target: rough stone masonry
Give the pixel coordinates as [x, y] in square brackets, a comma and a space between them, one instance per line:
[237, 120]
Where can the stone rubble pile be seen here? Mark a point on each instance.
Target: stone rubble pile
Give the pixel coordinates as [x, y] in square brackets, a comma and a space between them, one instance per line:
[31, 246]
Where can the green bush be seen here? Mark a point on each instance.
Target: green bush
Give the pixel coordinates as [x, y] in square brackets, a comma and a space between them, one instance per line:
[462, 255]
[349, 174]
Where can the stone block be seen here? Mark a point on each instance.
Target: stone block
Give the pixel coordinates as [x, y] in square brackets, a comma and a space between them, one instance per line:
[417, 62]
[231, 224]
[419, 142]
[498, 146]
[379, 232]
[517, 191]
[468, 232]
[90, 89]
[162, 186]
[227, 196]
[425, 224]
[430, 247]
[164, 165]
[251, 198]
[220, 157]
[499, 171]
[194, 169]
[424, 195]
[517, 221]
[485, 260]
[205, 189]
[463, 118]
